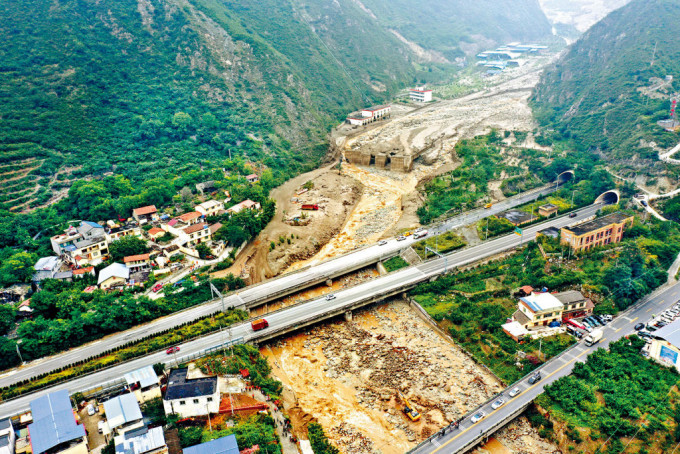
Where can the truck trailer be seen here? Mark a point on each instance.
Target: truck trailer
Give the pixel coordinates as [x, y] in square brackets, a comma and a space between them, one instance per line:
[259, 324]
[594, 337]
[310, 206]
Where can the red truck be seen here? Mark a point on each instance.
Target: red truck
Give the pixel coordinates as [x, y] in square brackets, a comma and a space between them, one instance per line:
[259, 324]
[310, 206]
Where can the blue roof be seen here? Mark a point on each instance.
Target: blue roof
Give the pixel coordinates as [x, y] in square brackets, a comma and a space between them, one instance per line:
[93, 224]
[54, 422]
[122, 410]
[224, 445]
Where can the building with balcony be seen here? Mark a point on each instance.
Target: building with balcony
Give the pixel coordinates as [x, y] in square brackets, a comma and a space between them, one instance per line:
[538, 310]
[419, 94]
[191, 397]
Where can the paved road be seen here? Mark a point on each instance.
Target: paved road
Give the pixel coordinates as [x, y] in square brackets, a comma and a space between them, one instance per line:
[294, 315]
[266, 291]
[454, 440]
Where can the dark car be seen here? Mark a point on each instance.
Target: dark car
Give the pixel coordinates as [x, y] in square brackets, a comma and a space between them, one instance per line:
[644, 334]
[600, 319]
[639, 326]
[572, 215]
[651, 328]
[535, 378]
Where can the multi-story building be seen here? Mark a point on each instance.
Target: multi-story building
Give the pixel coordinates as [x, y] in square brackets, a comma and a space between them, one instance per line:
[419, 94]
[191, 397]
[137, 263]
[369, 115]
[116, 230]
[575, 304]
[114, 275]
[55, 428]
[538, 309]
[7, 437]
[665, 345]
[144, 383]
[210, 208]
[245, 205]
[598, 232]
[197, 234]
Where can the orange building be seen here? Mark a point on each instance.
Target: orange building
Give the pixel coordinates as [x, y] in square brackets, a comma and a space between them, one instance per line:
[598, 232]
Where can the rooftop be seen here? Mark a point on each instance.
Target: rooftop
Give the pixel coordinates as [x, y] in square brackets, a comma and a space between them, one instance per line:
[145, 376]
[570, 296]
[47, 264]
[670, 333]
[540, 302]
[179, 387]
[136, 258]
[215, 227]
[516, 216]
[379, 107]
[210, 204]
[122, 410]
[598, 223]
[515, 329]
[186, 217]
[224, 445]
[115, 269]
[520, 317]
[156, 230]
[548, 206]
[195, 228]
[85, 242]
[83, 270]
[54, 422]
[149, 209]
[139, 441]
[553, 232]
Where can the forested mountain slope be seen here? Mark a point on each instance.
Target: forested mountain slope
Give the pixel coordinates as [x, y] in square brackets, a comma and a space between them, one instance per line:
[595, 94]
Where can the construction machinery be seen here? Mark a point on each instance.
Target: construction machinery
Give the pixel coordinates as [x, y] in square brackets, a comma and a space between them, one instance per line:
[409, 409]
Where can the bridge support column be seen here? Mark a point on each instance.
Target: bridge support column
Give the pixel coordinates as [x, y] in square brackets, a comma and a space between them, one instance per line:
[381, 268]
[348, 316]
[329, 282]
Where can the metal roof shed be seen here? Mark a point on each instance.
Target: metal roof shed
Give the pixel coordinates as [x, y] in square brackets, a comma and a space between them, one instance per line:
[54, 423]
[145, 376]
[122, 410]
[224, 445]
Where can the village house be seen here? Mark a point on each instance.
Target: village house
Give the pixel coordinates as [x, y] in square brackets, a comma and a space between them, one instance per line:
[144, 383]
[116, 230]
[245, 205]
[537, 310]
[547, 210]
[7, 436]
[210, 208]
[190, 218]
[141, 441]
[145, 214]
[598, 232]
[123, 413]
[114, 275]
[85, 244]
[155, 233]
[252, 178]
[137, 263]
[191, 397]
[81, 272]
[575, 304]
[197, 233]
[420, 94]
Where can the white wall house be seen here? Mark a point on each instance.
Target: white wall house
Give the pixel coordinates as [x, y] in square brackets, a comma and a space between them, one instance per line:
[191, 397]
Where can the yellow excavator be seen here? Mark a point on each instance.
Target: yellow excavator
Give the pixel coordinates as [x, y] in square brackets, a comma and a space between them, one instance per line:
[409, 409]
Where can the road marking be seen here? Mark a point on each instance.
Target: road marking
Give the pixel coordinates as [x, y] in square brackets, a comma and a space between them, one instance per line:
[649, 309]
[616, 331]
[524, 392]
[634, 319]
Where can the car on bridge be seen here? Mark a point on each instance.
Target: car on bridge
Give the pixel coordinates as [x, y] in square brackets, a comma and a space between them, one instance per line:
[514, 392]
[477, 417]
[330, 297]
[382, 242]
[157, 287]
[172, 350]
[535, 378]
[498, 404]
[401, 238]
[572, 214]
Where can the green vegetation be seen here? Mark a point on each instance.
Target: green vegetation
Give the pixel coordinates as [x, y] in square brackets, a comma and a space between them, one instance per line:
[617, 398]
[394, 264]
[125, 353]
[66, 317]
[591, 97]
[318, 440]
[254, 430]
[126, 246]
[474, 303]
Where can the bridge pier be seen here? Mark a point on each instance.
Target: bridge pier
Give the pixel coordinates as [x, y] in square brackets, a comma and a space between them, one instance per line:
[381, 268]
[329, 282]
[348, 316]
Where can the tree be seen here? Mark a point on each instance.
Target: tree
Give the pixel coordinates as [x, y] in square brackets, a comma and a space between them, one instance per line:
[182, 121]
[7, 314]
[232, 234]
[17, 268]
[127, 245]
[203, 250]
[185, 194]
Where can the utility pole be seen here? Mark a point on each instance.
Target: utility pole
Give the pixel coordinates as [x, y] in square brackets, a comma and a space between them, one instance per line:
[18, 352]
[487, 230]
[572, 197]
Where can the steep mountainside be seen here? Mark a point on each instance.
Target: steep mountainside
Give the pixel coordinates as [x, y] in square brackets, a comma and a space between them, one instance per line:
[148, 88]
[599, 94]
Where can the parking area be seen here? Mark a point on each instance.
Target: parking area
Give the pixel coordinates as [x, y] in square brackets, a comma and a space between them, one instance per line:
[580, 327]
[91, 423]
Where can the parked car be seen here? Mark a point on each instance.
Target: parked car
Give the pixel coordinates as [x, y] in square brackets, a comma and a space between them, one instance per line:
[401, 238]
[178, 283]
[90, 410]
[157, 287]
[535, 378]
[639, 326]
[477, 417]
[172, 350]
[601, 319]
[644, 334]
[499, 403]
[382, 242]
[330, 296]
[100, 426]
[651, 328]
[514, 392]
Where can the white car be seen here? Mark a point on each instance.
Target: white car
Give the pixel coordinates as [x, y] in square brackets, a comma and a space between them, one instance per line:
[401, 238]
[382, 242]
[477, 417]
[498, 404]
[90, 410]
[330, 297]
[514, 392]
